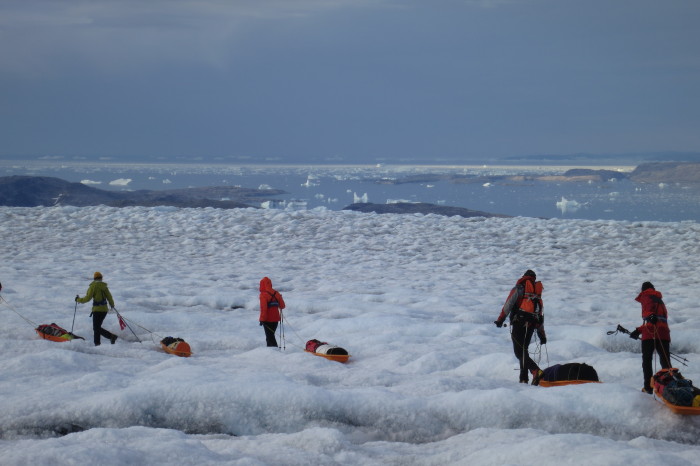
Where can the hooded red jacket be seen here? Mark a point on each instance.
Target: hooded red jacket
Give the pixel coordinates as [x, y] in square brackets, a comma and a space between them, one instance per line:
[269, 313]
[652, 304]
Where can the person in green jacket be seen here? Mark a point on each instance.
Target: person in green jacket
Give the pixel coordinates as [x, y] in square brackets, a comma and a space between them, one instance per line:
[100, 295]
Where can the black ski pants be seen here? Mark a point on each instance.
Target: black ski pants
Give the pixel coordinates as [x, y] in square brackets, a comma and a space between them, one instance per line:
[270, 329]
[521, 334]
[663, 347]
[97, 330]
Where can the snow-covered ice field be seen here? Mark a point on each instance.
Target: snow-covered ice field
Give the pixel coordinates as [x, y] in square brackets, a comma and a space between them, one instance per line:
[431, 380]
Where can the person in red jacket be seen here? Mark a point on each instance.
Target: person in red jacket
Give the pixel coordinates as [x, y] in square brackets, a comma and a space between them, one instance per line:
[655, 334]
[270, 304]
[525, 309]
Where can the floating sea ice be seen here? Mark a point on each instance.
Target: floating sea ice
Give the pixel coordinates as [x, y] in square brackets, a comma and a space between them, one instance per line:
[89, 182]
[566, 205]
[311, 180]
[355, 198]
[120, 182]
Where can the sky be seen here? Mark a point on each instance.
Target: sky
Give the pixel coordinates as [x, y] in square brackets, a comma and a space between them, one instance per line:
[347, 81]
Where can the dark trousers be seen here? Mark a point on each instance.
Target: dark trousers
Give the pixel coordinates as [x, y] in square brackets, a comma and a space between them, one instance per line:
[521, 334]
[663, 347]
[97, 330]
[270, 329]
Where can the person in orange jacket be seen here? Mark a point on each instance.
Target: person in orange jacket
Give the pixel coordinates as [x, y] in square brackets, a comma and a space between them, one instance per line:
[655, 334]
[525, 309]
[271, 303]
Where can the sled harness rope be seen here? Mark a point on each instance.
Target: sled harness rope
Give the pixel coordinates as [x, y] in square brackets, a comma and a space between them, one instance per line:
[537, 352]
[301, 340]
[34, 325]
[123, 319]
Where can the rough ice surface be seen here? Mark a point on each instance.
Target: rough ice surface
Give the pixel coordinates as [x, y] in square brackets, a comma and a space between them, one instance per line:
[412, 298]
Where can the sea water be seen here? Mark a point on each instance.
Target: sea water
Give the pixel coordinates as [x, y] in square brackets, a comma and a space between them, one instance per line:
[335, 187]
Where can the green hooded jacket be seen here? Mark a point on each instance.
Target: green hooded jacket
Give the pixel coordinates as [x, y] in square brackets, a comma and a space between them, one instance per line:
[100, 295]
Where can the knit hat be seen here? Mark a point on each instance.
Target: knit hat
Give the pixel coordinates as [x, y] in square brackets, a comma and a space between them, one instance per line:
[97, 276]
[529, 273]
[647, 285]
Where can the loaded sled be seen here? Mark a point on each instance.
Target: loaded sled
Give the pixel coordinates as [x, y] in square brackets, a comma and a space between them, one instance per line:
[53, 332]
[324, 350]
[676, 392]
[568, 374]
[176, 346]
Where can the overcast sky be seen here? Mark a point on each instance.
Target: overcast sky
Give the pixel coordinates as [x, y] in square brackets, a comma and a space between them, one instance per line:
[347, 80]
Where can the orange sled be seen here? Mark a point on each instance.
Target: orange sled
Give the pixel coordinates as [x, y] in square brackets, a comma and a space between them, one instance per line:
[55, 333]
[332, 357]
[685, 410]
[558, 383]
[323, 349]
[662, 383]
[176, 346]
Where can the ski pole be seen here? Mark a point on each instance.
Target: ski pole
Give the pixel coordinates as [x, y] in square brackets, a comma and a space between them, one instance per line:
[679, 359]
[619, 328]
[284, 342]
[74, 312]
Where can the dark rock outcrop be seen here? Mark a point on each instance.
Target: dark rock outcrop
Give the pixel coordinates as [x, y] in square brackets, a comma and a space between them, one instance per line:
[598, 175]
[667, 172]
[33, 191]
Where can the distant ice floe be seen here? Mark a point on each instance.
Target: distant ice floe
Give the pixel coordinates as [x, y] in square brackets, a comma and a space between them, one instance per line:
[265, 187]
[400, 201]
[293, 204]
[364, 198]
[89, 182]
[568, 205]
[324, 198]
[166, 181]
[311, 180]
[486, 185]
[120, 182]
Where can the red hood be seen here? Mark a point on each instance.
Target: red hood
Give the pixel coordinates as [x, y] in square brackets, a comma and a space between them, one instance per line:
[648, 292]
[266, 284]
[525, 278]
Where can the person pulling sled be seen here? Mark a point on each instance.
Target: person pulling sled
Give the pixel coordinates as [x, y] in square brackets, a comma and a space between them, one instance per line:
[654, 332]
[100, 295]
[525, 309]
[271, 303]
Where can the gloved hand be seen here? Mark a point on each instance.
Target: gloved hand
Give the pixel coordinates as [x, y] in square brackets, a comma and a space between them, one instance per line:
[499, 323]
[77, 297]
[542, 336]
[652, 319]
[635, 335]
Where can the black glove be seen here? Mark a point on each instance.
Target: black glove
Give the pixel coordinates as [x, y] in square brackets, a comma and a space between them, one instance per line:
[542, 336]
[77, 297]
[635, 335]
[499, 323]
[652, 319]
